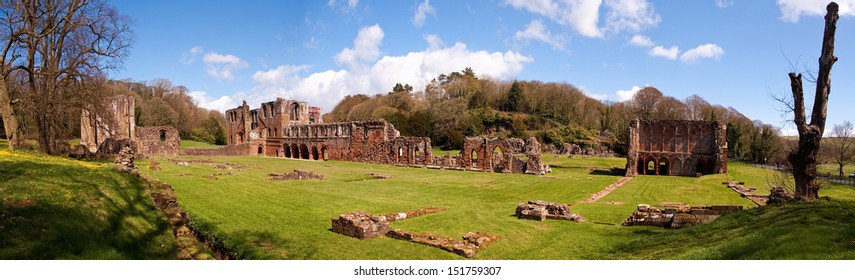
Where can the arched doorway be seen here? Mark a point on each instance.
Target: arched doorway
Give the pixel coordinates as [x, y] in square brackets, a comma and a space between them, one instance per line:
[497, 157]
[260, 149]
[650, 167]
[664, 167]
[400, 154]
[677, 167]
[304, 151]
[315, 153]
[295, 152]
[474, 158]
[324, 155]
[287, 150]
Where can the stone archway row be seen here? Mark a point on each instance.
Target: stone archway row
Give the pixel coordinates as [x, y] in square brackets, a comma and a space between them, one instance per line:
[303, 151]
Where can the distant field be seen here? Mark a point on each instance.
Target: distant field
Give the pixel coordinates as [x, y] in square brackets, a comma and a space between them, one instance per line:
[190, 144]
[246, 209]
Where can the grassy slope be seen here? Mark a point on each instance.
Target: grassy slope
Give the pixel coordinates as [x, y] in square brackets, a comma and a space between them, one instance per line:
[250, 213]
[189, 144]
[56, 208]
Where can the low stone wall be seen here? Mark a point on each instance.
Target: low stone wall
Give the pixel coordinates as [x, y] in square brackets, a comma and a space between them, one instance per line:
[541, 210]
[230, 150]
[360, 225]
[297, 174]
[468, 246]
[677, 217]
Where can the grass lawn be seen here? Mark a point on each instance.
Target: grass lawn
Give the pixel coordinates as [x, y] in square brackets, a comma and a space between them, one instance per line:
[57, 208]
[249, 213]
[190, 144]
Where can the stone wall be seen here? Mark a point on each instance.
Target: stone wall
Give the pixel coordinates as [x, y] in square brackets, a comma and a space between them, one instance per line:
[361, 225]
[116, 121]
[677, 217]
[676, 147]
[158, 140]
[228, 150]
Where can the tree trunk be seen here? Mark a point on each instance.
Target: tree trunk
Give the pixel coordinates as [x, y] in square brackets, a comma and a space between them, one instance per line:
[10, 121]
[804, 158]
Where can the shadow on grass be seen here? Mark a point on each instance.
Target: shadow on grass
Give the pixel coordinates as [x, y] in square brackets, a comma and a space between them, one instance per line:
[75, 214]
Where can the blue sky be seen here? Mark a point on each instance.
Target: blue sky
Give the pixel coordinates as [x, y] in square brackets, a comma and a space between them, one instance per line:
[735, 53]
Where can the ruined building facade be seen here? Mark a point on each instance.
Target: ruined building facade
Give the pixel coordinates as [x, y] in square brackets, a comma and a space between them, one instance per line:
[117, 123]
[676, 147]
[290, 129]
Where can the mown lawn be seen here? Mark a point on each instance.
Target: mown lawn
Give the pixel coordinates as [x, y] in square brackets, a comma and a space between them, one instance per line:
[259, 218]
[57, 208]
[190, 144]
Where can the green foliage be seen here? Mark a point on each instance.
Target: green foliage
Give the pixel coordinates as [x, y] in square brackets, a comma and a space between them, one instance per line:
[56, 208]
[516, 98]
[585, 138]
[211, 131]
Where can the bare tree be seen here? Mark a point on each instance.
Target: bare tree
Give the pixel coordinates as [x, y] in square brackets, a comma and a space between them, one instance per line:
[58, 45]
[804, 158]
[842, 148]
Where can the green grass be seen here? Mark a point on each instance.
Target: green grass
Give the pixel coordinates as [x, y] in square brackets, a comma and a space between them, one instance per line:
[831, 168]
[436, 151]
[815, 230]
[247, 210]
[57, 208]
[190, 144]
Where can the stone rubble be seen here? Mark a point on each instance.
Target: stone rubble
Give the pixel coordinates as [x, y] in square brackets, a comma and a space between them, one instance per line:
[297, 174]
[541, 210]
[645, 215]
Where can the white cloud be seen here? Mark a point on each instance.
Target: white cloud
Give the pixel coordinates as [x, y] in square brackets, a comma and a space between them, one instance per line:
[641, 41]
[584, 15]
[624, 95]
[422, 11]
[326, 88]
[701, 52]
[189, 56]
[366, 48]
[630, 15]
[669, 53]
[222, 66]
[351, 4]
[434, 42]
[220, 104]
[537, 31]
[724, 3]
[596, 96]
[791, 10]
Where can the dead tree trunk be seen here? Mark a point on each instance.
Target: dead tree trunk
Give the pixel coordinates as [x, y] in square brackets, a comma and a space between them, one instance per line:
[804, 158]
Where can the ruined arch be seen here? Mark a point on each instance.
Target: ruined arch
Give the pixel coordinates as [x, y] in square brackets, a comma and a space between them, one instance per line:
[474, 158]
[304, 151]
[664, 166]
[324, 155]
[286, 149]
[651, 166]
[400, 154]
[294, 112]
[295, 151]
[260, 150]
[677, 166]
[315, 153]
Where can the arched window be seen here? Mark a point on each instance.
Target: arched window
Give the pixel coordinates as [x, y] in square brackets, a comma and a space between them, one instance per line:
[162, 135]
[295, 112]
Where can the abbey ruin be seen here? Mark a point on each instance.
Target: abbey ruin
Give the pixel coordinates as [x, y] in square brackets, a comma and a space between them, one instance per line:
[671, 147]
[115, 127]
[292, 129]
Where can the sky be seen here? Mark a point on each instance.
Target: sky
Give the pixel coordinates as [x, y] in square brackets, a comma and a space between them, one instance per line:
[735, 53]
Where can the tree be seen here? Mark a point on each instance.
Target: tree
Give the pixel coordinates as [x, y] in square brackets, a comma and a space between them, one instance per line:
[402, 88]
[644, 102]
[842, 148]
[54, 47]
[804, 158]
[210, 131]
[516, 98]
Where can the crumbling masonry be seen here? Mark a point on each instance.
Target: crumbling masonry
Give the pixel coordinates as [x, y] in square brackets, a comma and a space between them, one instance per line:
[117, 125]
[291, 129]
[676, 147]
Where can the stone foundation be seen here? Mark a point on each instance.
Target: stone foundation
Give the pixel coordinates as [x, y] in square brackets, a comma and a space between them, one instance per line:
[297, 174]
[677, 217]
[360, 225]
[542, 210]
[468, 246]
